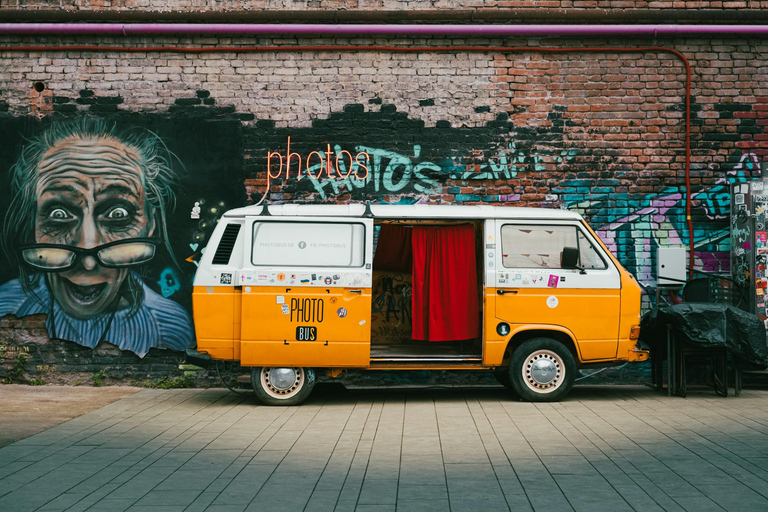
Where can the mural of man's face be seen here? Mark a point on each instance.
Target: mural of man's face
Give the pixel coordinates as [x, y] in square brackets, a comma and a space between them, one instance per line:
[89, 193]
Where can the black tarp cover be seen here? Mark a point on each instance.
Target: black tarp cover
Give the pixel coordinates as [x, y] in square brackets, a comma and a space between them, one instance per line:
[707, 325]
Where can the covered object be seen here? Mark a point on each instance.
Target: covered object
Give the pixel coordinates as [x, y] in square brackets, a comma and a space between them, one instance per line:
[707, 325]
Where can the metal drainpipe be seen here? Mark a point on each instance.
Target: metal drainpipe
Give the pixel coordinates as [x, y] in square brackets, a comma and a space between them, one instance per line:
[653, 30]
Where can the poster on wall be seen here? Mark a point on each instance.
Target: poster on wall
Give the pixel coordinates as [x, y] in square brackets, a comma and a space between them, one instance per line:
[104, 220]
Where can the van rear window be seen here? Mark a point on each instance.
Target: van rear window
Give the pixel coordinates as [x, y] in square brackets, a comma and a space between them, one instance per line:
[308, 244]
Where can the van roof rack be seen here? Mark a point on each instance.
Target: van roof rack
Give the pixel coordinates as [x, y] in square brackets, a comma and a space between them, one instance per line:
[368, 213]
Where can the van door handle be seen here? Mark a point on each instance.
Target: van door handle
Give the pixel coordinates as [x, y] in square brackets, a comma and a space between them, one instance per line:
[502, 292]
[355, 291]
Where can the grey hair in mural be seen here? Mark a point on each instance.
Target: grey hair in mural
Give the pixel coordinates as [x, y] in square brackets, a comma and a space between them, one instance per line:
[89, 205]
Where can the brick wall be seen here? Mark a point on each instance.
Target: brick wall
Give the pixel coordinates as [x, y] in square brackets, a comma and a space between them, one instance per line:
[28, 355]
[602, 133]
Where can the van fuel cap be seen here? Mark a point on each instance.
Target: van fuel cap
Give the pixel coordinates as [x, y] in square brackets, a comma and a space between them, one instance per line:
[502, 329]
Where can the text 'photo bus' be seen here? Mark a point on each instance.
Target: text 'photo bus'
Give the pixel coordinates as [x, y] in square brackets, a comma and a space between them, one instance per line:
[531, 294]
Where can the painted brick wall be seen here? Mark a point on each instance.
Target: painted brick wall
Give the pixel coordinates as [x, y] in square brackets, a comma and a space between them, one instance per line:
[601, 133]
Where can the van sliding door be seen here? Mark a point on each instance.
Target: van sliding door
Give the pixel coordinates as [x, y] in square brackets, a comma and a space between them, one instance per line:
[306, 292]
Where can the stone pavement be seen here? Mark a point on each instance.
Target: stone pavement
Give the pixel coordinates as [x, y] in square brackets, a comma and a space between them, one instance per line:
[27, 410]
[604, 448]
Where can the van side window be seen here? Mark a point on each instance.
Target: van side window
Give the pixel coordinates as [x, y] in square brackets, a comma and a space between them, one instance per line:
[528, 246]
[588, 255]
[308, 244]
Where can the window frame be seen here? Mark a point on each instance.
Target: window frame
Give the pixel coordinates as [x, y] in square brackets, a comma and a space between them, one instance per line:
[257, 221]
[594, 247]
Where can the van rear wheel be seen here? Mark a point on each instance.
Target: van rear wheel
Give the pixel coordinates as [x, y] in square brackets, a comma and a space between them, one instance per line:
[542, 370]
[282, 385]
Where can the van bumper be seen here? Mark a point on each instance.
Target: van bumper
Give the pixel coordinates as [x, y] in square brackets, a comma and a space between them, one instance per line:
[637, 355]
[197, 358]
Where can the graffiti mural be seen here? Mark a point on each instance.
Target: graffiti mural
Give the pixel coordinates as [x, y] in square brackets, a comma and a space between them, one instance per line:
[106, 215]
[385, 156]
[391, 308]
[207, 216]
[391, 172]
[91, 231]
[638, 226]
[89, 204]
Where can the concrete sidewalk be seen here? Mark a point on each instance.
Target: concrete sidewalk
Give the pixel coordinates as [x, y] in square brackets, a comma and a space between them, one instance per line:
[605, 448]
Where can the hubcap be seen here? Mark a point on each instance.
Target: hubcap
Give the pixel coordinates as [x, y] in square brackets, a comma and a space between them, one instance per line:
[543, 371]
[282, 378]
[282, 382]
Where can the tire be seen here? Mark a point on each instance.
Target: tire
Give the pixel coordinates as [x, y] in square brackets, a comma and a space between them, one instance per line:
[282, 386]
[542, 370]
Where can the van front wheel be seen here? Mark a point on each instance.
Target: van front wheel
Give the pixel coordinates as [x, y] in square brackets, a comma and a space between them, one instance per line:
[282, 386]
[542, 370]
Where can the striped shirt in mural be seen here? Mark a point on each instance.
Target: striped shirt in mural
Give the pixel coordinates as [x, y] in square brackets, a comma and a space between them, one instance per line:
[159, 323]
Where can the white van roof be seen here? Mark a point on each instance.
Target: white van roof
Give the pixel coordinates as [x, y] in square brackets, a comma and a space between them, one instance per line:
[412, 211]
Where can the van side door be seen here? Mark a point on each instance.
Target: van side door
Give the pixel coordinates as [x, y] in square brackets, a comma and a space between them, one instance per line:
[306, 292]
[534, 291]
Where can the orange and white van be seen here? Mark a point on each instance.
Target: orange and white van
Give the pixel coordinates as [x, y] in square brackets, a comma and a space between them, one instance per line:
[531, 294]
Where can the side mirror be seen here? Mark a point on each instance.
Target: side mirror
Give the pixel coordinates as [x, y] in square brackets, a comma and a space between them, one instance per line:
[569, 259]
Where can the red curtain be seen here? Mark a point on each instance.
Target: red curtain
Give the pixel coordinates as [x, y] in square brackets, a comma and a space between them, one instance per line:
[445, 301]
[393, 250]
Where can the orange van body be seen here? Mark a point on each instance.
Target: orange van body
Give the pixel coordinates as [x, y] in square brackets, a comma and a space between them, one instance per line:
[294, 289]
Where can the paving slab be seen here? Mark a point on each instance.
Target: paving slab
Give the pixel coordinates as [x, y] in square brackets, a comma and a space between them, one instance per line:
[603, 448]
